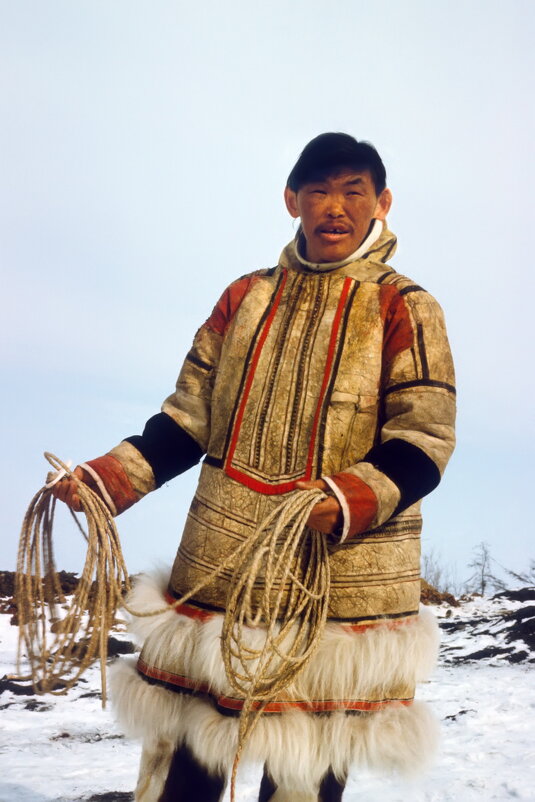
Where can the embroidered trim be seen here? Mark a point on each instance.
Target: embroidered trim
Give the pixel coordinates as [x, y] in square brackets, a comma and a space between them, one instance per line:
[180, 683]
[326, 375]
[200, 612]
[188, 610]
[262, 486]
[229, 469]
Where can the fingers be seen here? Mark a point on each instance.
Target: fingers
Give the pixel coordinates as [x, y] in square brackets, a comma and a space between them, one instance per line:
[310, 485]
[326, 515]
[66, 490]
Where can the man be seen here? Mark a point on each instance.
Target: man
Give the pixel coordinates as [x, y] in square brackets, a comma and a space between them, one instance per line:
[329, 370]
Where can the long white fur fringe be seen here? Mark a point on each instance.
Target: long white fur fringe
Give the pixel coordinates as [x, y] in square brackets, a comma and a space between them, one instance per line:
[297, 747]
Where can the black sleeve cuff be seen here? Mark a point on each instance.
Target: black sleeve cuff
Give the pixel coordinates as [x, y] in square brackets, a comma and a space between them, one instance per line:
[168, 448]
[414, 473]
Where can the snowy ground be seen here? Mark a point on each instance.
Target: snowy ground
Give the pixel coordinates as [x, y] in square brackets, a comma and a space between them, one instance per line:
[52, 750]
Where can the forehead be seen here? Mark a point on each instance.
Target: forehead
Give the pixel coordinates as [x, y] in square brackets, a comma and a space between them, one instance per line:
[344, 177]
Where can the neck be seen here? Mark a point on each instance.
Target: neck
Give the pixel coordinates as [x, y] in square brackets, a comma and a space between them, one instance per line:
[374, 232]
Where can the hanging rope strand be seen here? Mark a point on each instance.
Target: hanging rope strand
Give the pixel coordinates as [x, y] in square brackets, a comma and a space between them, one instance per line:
[280, 587]
[59, 657]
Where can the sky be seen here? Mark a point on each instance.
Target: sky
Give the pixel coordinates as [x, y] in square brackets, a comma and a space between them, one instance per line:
[144, 151]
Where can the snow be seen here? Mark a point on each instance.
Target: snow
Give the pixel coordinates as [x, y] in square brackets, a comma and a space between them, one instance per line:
[66, 748]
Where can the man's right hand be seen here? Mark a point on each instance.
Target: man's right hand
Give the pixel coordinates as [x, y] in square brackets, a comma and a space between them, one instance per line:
[67, 489]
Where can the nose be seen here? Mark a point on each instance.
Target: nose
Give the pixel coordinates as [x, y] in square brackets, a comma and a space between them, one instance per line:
[335, 207]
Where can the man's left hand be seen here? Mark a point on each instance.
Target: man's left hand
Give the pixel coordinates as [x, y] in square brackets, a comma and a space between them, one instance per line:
[326, 516]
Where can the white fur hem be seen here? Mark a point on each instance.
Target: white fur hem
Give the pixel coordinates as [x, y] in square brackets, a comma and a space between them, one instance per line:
[369, 664]
[297, 747]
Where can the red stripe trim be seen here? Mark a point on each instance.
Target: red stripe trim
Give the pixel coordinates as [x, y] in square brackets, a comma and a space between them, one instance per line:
[373, 625]
[250, 377]
[326, 375]
[231, 703]
[228, 305]
[173, 679]
[199, 614]
[259, 486]
[285, 487]
[313, 707]
[188, 609]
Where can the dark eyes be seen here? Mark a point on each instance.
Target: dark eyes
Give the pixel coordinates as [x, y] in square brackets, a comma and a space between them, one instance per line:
[322, 193]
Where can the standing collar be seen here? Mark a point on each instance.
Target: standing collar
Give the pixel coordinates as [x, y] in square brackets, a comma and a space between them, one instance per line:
[325, 267]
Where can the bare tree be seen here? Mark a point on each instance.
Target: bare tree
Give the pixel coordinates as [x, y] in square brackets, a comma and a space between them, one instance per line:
[482, 577]
[440, 576]
[487, 573]
[525, 577]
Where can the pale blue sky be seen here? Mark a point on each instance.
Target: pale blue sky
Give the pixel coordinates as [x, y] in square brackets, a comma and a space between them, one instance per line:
[144, 149]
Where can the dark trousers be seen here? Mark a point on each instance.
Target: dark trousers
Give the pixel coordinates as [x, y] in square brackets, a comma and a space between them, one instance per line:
[330, 790]
[188, 781]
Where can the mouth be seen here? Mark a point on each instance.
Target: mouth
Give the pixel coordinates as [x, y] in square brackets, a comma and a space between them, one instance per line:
[332, 233]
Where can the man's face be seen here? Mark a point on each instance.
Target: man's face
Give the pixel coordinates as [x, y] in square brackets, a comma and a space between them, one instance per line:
[336, 213]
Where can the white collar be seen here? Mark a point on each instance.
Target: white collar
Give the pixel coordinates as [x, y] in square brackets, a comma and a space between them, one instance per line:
[326, 267]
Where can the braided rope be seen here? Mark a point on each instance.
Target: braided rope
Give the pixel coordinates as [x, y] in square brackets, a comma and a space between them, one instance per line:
[291, 562]
[59, 655]
[280, 583]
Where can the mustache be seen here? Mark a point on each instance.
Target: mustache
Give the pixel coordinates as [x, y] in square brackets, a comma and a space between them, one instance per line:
[338, 227]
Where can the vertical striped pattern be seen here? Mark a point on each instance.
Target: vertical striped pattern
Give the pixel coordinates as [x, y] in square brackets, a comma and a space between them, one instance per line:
[274, 435]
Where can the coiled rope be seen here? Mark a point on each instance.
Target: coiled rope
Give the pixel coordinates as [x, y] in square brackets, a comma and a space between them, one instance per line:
[280, 583]
[59, 654]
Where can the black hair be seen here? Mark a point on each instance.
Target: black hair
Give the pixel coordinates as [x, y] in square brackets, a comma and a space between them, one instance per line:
[328, 154]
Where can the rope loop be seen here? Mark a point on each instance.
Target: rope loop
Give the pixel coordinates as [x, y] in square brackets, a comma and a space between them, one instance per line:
[280, 586]
[59, 654]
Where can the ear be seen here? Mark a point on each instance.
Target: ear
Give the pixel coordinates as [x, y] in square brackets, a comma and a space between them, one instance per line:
[290, 198]
[384, 202]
